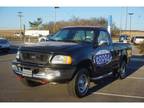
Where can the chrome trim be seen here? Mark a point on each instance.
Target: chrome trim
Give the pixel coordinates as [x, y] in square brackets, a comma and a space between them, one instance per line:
[103, 76]
[46, 74]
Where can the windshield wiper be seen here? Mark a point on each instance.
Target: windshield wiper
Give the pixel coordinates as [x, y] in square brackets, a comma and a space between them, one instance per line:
[70, 41]
[75, 41]
[51, 39]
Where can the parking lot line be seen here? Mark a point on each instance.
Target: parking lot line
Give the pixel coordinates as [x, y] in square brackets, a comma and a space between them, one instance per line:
[138, 78]
[118, 95]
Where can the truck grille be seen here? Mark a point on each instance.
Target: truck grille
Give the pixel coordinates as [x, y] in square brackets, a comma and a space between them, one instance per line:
[34, 57]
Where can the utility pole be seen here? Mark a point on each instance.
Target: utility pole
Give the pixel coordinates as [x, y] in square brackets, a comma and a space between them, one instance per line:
[121, 22]
[55, 18]
[20, 20]
[130, 14]
[24, 28]
[126, 18]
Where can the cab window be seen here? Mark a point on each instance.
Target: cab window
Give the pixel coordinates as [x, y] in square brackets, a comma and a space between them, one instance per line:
[84, 35]
[103, 37]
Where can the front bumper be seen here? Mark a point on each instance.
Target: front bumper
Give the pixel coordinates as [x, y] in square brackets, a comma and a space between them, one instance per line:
[49, 74]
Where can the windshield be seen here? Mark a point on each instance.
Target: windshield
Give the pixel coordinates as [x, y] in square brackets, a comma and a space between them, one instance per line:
[73, 35]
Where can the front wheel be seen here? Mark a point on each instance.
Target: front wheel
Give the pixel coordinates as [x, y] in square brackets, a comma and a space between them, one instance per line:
[80, 84]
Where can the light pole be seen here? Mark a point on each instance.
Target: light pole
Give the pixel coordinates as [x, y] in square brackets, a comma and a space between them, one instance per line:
[126, 18]
[20, 19]
[130, 14]
[121, 22]
[56, 7]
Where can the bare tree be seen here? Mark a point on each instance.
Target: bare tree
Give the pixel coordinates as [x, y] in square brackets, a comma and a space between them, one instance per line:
[74, 21]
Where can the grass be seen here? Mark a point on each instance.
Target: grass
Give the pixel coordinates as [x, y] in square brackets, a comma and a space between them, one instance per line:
[16, 38]
[141, 48]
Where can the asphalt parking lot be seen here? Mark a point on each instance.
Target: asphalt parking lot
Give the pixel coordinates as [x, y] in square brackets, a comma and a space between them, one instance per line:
[130, 89]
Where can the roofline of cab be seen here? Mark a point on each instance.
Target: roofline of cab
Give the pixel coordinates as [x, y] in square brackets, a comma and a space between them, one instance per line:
[85, 27]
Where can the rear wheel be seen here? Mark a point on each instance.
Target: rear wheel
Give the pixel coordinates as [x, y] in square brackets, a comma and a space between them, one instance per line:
[80, 84]
[122, 70]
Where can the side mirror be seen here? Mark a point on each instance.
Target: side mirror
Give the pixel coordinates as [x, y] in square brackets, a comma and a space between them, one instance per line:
[102, 42]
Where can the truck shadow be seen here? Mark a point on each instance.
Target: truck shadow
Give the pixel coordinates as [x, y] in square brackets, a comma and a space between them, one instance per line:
[136, 62]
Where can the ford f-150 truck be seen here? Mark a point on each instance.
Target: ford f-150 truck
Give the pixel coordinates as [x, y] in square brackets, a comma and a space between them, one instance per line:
[74, 55]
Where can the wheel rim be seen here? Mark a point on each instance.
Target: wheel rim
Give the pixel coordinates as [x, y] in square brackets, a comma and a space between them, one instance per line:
[123, 70]
[83, 83]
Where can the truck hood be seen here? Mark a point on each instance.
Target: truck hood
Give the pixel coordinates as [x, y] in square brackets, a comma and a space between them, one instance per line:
[52, 46]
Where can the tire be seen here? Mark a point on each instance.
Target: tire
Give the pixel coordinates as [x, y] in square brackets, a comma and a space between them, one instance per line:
[80, 84]
[122, 70]
[29, 83]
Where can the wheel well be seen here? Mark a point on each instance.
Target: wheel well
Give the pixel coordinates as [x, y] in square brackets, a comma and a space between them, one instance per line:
[124, 57]
[87, 64]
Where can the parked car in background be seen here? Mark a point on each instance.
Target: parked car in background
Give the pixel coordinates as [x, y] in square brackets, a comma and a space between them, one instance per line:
[137, 40]
[4, 44]
[44, 38]
[17, 34]
[124, 38]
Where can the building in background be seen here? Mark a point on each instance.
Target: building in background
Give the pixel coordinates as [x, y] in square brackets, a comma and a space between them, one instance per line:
[36, 33]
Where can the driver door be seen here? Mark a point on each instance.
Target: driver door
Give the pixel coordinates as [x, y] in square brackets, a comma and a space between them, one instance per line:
[103, 54]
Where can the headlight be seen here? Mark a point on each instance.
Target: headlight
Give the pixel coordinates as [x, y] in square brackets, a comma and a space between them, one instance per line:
[61, 59]
[18, 55]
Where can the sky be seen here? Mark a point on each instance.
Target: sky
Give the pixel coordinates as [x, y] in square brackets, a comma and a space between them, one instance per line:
[9, 15]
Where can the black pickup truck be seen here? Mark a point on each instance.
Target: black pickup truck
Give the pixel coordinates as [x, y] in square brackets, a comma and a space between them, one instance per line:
[74, 55]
